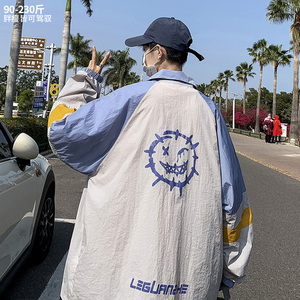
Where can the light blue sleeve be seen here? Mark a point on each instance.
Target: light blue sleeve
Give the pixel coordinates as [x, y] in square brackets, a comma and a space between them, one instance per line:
[84, 138]
[233, 185]
[237, 218]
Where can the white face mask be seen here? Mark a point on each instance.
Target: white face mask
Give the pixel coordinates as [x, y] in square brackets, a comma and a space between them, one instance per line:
[149, 70]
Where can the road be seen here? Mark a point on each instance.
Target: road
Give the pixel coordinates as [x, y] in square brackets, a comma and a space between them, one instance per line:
[274, 266]
[273, 271]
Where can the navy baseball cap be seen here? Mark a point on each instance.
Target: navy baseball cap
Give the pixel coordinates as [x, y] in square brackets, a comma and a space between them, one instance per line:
[168, 32]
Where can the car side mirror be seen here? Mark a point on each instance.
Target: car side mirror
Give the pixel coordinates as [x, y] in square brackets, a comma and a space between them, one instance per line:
[25, 147]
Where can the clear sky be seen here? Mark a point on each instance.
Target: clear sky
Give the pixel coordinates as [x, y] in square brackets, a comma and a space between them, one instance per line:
[221, 30]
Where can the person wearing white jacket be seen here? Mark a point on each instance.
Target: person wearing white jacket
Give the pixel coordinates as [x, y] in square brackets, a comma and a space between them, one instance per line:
[164, 213]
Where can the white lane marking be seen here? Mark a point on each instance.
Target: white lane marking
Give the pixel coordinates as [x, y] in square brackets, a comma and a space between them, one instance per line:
[52, 290]
[59, 220]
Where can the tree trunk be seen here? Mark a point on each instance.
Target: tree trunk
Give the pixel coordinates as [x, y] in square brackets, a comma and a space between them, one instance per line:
[294, 117]
[13, 59]
[220, 99]
[274, 91]
[226, 102]
[257, 129]
[75, 66]
[65, 46]
[244, 95]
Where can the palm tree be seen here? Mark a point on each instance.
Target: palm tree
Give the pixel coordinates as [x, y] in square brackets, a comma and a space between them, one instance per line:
[78, 48]
[214, 85]
[13, 59]
[209, 90]
[201, 87]
[66, 39]
[243, 72]
[228, 75]
[119, 71]
[278, 12]
[83, 60]
[132, 78]
[277, 57]
[221, 84]
[258, 51]
[81, 51]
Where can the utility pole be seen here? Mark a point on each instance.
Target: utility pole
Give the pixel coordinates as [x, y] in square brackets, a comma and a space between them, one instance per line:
[49, 66]
[233, 111]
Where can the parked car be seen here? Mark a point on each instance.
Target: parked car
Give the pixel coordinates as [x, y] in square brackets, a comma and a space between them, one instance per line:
[27, 189]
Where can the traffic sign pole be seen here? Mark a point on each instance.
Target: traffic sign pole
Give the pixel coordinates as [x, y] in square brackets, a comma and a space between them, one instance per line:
[43, 71]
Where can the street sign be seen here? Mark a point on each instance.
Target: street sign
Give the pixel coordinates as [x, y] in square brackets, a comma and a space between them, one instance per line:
[33, 42]
[29, 64]
[39, 91]
[38, 101]
[284, 129]
[54, 89]
[45, 83]
[31, 55]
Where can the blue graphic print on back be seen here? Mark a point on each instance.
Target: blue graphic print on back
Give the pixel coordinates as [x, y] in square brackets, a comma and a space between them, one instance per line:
[172, 159]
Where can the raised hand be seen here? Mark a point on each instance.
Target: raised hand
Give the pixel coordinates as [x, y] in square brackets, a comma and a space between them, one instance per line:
[93, 66]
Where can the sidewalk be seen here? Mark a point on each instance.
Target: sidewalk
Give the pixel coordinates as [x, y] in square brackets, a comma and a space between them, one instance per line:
[284, 157]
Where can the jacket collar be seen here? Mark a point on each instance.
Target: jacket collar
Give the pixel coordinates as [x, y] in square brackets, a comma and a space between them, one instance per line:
[173, 75]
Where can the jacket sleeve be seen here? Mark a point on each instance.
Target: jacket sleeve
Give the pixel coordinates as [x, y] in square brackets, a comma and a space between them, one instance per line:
[237, 217]
[82, 127]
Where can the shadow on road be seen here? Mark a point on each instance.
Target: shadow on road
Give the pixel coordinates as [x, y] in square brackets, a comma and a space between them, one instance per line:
[32, 279]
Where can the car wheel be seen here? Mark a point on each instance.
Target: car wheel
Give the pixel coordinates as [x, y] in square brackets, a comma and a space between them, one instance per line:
[45, 228]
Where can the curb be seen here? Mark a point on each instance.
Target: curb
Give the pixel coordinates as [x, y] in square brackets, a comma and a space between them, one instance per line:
[269, 166]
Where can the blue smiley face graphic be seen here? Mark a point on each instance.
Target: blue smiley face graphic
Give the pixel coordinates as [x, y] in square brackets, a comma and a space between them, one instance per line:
[172, 159]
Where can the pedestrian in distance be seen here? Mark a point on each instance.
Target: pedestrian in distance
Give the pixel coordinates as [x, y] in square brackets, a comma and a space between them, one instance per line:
[267, 128]
[164, 214]
[277, 131]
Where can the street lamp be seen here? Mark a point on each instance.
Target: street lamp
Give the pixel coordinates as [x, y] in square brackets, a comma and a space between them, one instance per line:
[49, 66]
[233, 111]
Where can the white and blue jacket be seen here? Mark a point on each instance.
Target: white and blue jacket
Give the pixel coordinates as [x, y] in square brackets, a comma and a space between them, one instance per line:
[164, 212]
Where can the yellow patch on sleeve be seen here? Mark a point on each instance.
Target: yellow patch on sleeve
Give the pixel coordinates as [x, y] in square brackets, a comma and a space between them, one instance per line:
[58, 113]
[233, 235]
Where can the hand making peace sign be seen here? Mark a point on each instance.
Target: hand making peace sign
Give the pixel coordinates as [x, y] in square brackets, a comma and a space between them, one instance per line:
[93, 63]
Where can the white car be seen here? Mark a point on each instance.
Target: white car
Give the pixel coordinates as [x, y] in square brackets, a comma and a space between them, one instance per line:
[27, 189]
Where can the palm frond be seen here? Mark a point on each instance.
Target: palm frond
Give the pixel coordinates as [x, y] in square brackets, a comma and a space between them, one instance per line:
[279, 11]
[120, 65]
[87, 4]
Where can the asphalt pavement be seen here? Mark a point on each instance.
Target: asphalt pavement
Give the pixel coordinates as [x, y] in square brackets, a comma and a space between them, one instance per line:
[284, 157]
[273, 271]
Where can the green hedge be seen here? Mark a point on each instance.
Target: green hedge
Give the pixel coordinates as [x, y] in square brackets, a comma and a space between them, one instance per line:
[35, 127]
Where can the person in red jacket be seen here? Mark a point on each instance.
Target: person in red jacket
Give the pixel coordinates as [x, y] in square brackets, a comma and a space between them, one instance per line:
[277, 131]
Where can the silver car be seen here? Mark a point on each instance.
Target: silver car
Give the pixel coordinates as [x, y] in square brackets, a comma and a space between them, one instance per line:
[27, 189]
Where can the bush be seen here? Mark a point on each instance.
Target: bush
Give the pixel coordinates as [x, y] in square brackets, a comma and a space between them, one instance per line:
[245, 121]
[25, 100]
[35, 127]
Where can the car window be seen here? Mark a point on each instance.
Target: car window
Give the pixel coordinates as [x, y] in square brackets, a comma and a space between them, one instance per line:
[4, 146]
